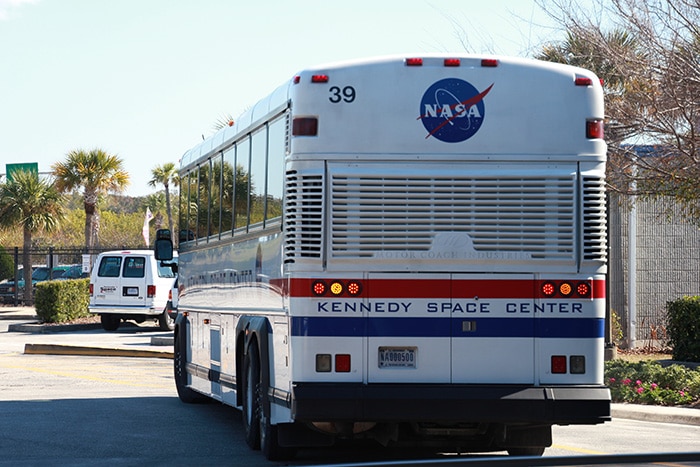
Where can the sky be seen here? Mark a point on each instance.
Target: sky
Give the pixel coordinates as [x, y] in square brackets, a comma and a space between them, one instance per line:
[146, 79]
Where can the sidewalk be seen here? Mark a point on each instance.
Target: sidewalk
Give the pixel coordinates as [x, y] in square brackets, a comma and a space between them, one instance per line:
[138, 341]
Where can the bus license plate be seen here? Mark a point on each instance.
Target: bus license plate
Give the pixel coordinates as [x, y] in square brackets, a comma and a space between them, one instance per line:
[397, 357]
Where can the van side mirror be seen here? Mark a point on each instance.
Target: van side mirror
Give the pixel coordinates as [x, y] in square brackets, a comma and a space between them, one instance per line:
[163, 248]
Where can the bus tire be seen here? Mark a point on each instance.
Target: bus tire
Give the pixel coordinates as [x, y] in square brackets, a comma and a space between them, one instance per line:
[165, 322]
[110, 322]
[251, 396]
[185, 394]
[269, 441]
[533, 451]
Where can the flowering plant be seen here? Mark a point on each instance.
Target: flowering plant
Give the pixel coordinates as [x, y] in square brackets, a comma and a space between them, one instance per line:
[649, 383]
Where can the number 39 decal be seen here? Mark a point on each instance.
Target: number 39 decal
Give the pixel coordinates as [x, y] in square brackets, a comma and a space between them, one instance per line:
[344, 94]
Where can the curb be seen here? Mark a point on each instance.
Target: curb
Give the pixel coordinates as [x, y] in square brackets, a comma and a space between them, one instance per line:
[37, 328]
[54, 349]
[654, 413]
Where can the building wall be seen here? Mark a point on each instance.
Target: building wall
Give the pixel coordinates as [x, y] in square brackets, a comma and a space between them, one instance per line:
[667, 263]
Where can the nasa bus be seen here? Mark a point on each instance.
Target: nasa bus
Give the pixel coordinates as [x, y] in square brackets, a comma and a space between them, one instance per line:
[405, 249]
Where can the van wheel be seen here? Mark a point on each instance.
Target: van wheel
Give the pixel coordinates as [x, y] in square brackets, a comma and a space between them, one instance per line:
[110, 322]
[165, 322]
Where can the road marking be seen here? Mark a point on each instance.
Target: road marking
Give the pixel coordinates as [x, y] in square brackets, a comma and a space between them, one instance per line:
[579, 450]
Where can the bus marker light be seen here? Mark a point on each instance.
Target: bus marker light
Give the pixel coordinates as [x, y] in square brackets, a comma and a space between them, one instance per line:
[452, 62]
[489, 62]
[415, 61]
[319, 288]
[558, 364]
[297, 79]
[565, 289]
[577, 363]
[342, 363]
[583, 81]
[594, 129]
[354, 288]
[305, 126]
[336, 288]
[323, 362]
[548, 289]
[319, 78]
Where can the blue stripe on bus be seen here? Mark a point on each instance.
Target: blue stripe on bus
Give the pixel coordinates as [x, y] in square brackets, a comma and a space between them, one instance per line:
[441, 327]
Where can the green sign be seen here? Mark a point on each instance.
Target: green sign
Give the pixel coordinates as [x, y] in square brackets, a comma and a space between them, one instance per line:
[27, 167]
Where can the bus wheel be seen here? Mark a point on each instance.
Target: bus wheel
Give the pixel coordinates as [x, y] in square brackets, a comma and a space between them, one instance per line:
[110, 322]
[534, 451]
[251, 397]
[165, 322]
[185, 394]
[269, 442]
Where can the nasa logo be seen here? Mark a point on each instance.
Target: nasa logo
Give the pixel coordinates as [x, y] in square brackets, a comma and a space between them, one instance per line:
[452, 110]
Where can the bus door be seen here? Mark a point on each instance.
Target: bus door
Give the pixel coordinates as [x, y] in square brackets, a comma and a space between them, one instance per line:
[408, 331]
[493, 329]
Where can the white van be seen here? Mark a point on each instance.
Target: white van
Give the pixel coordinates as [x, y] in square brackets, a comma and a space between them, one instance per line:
[132, 285]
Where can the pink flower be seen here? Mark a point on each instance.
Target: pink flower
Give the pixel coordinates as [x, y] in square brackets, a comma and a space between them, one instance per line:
[612, 380]
[682, 393]
[654, 385]
[639, 383]
[626, 381]
[640, 390]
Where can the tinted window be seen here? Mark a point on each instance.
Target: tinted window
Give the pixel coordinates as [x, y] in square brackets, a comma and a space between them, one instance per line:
[110, 266]
[40, 274]
[134, 266]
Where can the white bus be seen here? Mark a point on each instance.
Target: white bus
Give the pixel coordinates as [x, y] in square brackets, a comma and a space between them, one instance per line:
[405, 249]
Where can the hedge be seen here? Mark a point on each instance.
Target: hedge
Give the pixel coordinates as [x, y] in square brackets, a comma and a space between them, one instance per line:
[683, 327]
[61, 301]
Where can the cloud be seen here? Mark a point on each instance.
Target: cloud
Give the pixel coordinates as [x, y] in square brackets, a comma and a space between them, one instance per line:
[8, 6]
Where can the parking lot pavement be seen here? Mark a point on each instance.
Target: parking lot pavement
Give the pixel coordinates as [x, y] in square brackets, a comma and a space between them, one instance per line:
[22, 334]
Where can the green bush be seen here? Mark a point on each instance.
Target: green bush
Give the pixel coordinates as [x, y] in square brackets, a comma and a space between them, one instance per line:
[60, 301]
[647, 382]
[683, 326]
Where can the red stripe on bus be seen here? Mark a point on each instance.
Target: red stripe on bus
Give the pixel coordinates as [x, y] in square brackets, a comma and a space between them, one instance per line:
[439, 288]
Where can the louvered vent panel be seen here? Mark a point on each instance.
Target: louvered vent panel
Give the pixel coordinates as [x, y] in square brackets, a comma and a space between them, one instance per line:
[594, 219]
[529, 215]
[304, 211]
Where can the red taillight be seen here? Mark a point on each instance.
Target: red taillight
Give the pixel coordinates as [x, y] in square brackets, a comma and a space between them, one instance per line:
[319, 78]
[583, 289]
[594, 129]
[583, 81]
[558, 364]
[151, 291]
[354, 288]
[319, 288]
[489, 62]
[414, 61]
[297, 79]
[548, 289]
[92, 289]
[342, 363]
[452, 62]
[305, 126]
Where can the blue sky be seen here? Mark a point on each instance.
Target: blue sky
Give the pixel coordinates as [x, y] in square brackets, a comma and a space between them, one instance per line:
[145, 79]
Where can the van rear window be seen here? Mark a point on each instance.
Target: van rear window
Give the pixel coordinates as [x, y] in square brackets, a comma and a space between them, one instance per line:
[134, 266]
[110, 266]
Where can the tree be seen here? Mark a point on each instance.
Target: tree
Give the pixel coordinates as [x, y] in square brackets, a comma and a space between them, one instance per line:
[34, 204]
[97, 173]
[648, 52]
[166, 175]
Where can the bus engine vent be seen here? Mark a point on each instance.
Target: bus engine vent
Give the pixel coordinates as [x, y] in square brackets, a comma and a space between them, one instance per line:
[303, 222]
[594, 219]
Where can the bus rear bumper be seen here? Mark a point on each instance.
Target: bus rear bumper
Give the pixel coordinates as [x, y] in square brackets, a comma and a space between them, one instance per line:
[551, 405]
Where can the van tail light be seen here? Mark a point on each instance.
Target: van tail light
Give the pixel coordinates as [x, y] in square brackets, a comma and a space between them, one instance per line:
[151, 291]
[92, 289]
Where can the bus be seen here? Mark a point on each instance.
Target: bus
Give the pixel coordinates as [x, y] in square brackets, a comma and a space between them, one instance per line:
[410, 250]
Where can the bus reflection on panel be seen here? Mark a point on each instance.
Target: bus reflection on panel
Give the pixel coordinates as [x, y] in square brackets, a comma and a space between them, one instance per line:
[406, 249]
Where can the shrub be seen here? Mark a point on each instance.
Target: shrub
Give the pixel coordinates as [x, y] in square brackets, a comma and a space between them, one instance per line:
[647, 382]
[60, 301]
[683, 316]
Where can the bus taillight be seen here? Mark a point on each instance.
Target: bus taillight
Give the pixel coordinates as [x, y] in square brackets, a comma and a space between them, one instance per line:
[354, 288]
[319, 288]
[566, 289]
[305, 126]
[336, 288]
[558, 364]
[583, 289]
[548, 289]
[342, 363]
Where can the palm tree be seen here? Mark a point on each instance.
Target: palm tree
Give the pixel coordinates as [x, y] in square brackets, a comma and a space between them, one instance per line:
[34, 204]
[98, 173]
[166, 175]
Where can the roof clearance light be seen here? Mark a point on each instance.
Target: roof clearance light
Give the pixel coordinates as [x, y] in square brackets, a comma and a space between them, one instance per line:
[489, 62]
[583, 81]
[336, 288]
[319, 288]
[452, 62]
[548, 289]
[297, 79]
[414, 61]
[305, 126]
[595, 129]
[319, 78]
[354, 288]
